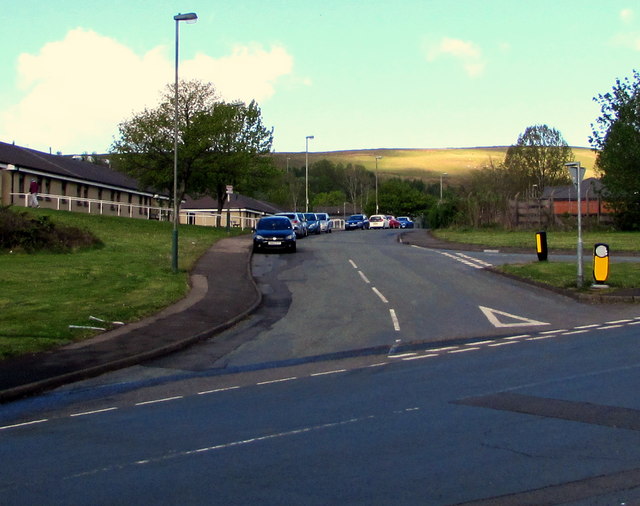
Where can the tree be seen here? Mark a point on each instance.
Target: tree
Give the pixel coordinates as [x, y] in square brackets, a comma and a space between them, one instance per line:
[358, 183]
[616, 137]
[402, 198]
[537, 159]
[333, 198]
[219, 144]
[237, 141]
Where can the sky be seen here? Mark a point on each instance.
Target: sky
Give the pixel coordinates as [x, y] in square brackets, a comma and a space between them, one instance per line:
[355, 74]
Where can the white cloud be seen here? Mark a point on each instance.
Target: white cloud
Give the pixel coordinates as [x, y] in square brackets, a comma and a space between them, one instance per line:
[247, 73]
[466, 53]
[626, 15]
[629, 39]
[75, 91]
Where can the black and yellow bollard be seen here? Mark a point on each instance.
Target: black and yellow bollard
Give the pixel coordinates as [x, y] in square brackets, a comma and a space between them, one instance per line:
[600, 263]
[541, 246]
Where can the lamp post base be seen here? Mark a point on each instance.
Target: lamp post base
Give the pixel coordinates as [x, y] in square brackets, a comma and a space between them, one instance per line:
[174, 251]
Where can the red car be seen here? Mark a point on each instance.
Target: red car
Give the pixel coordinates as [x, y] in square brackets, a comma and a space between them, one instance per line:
[393, 223]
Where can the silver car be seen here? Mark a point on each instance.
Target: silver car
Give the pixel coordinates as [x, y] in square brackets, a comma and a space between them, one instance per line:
[299, 223]
[326, 225]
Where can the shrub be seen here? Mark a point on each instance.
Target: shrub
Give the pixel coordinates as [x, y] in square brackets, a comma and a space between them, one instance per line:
[21, 232]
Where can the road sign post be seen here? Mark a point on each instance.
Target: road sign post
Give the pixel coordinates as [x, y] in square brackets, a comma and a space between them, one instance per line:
[577, 173]
[229, 193]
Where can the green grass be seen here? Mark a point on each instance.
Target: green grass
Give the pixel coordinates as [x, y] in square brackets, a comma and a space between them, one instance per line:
[129, 278]
[619, 242]
[622, 275]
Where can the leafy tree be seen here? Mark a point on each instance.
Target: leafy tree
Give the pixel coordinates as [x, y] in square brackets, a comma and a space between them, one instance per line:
[358, 184]
[237, 141]
[616, 137]
[218, 144]
[443, 214]
[538, 158]
[325, 176]
[402, 198]
[331, 198]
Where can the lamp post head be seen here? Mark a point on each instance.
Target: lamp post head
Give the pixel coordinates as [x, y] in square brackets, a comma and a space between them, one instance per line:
[190, 17]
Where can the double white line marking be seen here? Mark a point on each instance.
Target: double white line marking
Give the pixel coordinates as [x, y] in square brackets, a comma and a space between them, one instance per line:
[392, 313]
[476, 263]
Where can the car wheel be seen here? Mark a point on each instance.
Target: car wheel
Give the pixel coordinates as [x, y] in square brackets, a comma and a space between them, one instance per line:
[292, 248]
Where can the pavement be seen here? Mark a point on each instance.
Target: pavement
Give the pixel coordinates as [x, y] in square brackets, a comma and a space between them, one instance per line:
[222, 293]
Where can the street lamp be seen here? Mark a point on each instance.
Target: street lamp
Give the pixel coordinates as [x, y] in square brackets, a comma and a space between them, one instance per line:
[441, 175]
[306, 172]
[377, 158]
[190, 17]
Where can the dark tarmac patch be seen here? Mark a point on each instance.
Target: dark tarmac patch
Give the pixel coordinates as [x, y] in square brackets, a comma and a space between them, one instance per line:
[624, 482]
[585, 412]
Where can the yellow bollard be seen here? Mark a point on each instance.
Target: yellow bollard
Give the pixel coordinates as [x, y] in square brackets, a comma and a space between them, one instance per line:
[600, 263]
[541, 246]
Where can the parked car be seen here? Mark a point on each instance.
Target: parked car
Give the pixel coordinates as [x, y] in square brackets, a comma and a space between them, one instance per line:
[274, 232]
[356, 221]
[405, 222]
[326, 225]
[312, 223]
[299, 223]
[378, 221]
[393, 223]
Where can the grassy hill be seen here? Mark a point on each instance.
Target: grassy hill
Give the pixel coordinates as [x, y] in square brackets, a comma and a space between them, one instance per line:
[426, 164]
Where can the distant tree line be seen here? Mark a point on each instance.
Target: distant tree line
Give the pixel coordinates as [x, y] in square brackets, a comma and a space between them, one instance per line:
[536, 161]
[352, 188]
[222, 143]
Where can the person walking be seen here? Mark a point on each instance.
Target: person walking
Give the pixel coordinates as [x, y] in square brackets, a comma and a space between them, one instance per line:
[33, 194]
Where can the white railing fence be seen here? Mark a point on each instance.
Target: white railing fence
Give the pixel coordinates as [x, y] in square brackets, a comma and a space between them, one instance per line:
[95, 206]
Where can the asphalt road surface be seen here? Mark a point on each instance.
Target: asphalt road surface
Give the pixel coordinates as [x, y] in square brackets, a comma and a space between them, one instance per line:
[375, 373]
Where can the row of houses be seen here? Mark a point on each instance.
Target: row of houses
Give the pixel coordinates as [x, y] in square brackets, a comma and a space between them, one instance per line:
[75, 184]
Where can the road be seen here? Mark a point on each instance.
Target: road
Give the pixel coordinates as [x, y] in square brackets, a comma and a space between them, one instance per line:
[324, 397]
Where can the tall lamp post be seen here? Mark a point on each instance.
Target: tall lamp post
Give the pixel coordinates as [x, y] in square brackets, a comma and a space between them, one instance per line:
[190, 17]
[377, 158]
[441, 176]
[306, 172]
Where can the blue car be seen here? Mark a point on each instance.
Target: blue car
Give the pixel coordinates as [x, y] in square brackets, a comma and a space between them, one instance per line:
[405, 222]
[274, 233]
[313, 223]
[356, 221]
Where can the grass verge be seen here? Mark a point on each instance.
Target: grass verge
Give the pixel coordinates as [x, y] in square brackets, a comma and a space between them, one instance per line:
[127, 279]
[622, 275]
[619, 242]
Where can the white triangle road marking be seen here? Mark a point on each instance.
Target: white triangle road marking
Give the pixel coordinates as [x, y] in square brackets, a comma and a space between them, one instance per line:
[516, 321]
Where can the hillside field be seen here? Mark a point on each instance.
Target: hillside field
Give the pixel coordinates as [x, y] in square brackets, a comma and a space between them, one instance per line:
[425, 164]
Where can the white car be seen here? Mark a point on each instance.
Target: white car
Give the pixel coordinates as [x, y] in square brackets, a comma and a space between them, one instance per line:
[378, 221]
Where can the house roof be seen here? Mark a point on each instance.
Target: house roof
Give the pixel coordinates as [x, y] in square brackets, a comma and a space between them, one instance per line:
[64, 167]
[589, 188]
[69, 168]
[238, 201]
